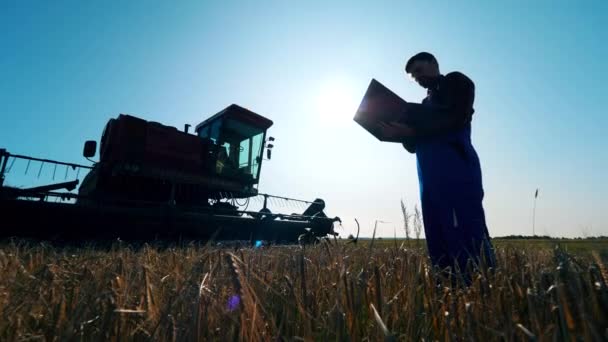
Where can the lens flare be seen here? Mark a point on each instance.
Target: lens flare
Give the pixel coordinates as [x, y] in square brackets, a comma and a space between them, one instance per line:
[233, 302]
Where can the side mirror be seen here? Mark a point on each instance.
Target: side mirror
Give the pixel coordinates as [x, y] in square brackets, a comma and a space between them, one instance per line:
[90, 146]
[269, 148]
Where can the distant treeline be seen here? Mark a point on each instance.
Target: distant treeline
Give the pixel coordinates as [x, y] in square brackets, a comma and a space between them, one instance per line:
[546, 237]
[508, 237]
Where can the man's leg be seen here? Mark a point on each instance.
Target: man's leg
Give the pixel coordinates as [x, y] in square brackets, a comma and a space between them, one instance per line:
[433, 216]
[456, 230]
[472, 241]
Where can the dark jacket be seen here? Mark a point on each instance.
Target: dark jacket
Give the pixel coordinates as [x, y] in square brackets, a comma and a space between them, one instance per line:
[451, 100]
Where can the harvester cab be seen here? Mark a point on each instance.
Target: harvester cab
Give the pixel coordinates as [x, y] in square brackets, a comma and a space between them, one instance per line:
[237, 139]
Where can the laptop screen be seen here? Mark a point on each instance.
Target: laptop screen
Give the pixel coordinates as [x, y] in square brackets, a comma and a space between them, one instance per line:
[379, 104]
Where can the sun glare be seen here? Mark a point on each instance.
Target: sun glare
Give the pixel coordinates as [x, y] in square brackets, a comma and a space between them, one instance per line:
[337, 102]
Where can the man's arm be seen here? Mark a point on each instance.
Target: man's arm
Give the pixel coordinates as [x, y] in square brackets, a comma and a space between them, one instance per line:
[396, 130]
[409, 143]
[401, 133]
[454, 110]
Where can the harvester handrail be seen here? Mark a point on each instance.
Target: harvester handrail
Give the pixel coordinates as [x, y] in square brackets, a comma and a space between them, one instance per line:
[19, 156]
[287, 198]
[5, 156]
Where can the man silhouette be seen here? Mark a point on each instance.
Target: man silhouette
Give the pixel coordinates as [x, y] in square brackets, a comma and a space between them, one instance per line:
[449, 170]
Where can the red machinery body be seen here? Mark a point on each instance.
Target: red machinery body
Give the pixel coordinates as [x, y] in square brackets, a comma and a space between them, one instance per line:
[131, 140]
[144, 160]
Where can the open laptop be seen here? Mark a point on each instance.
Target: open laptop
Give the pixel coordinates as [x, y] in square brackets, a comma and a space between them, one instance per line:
[379, 104]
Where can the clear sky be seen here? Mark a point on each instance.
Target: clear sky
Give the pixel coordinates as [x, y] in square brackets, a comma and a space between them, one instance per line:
[539, 67]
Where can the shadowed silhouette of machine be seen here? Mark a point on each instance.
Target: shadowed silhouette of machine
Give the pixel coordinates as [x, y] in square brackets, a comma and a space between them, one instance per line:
[156, 182]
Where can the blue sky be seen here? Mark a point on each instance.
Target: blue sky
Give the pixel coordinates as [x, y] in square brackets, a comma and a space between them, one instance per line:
[539, 69]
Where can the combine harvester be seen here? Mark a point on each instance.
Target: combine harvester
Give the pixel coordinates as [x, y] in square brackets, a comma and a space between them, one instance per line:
[156, 182]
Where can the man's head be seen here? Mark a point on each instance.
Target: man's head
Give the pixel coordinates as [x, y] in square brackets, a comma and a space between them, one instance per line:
[424, 69]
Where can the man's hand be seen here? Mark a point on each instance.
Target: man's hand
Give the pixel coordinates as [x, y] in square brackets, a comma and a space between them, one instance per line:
[395, 130]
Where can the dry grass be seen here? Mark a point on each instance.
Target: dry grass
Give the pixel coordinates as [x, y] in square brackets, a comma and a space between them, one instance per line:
[325, 292]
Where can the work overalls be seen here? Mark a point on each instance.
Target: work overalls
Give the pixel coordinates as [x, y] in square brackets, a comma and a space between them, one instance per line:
[451, 194]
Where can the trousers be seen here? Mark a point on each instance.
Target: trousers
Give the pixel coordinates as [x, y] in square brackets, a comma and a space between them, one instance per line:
[451, 194]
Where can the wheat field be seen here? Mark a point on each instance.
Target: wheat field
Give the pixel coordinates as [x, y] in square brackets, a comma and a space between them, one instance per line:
[332, 291]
